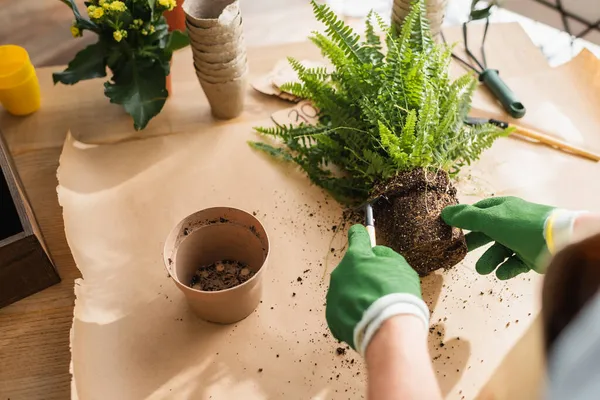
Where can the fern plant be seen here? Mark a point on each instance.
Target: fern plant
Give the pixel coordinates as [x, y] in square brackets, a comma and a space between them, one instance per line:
[382, 112]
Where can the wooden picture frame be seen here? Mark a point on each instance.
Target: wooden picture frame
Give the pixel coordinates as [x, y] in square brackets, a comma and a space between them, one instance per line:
[25, 263]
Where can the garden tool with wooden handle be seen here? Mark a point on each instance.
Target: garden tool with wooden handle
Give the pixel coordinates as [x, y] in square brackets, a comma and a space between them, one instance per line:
[537, 136]
[370, 224]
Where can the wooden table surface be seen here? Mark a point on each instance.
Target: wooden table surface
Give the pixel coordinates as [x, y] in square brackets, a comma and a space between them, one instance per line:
[34, 333]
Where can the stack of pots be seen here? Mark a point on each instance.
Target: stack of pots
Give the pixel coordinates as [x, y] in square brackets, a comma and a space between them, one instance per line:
[436, 10]
[217, 42]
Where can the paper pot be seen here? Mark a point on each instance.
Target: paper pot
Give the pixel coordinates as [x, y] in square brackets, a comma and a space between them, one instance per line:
[215, 234]
[235, 45]
[222, 77]
[217, 30]
[203, 65]
[211, 13]
[226, 99]
[217, 58]
[224, 74]
[203, 38]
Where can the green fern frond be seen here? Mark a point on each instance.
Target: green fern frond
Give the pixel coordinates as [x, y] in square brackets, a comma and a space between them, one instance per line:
[338, 31]
[408, 132]
[297, 89]
[393, 146]
[420, 39]
[371, 38]
[275, 152]
[330, 49]
[385, 27]
[381, 112]
[296, 65]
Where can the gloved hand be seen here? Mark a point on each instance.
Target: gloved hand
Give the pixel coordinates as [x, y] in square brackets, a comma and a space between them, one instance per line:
[517, 227]
[369, 286]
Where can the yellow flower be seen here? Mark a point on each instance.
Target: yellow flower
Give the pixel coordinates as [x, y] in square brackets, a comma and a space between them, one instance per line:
[119, 35]
[106, 6]
[97, 13]
[138, 22]
[151, 29]
[75, 31]
[118, 6]
[168, 4]
[91, 10]
[101, 2]
[144, 32]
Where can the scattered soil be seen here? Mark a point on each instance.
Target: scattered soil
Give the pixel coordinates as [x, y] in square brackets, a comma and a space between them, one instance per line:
[407, 219]
[340, 351]
[221, 275]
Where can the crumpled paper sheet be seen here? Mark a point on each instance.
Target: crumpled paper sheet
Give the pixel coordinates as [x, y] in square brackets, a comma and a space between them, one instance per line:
[133, 336]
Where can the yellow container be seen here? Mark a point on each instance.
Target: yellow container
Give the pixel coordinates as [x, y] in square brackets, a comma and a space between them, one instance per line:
[19, 86]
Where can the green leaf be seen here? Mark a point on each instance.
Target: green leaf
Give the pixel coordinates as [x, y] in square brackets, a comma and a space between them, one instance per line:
[340, 33]
[73, 6]
[82, 23]
[161, 33]
[177, 40]
[275, 152]
[481, 13]
[89, 63]
[140, 89]
[391, 143]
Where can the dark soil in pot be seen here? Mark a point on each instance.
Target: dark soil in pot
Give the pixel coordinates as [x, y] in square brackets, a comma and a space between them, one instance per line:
[407, 219]
[221, 275]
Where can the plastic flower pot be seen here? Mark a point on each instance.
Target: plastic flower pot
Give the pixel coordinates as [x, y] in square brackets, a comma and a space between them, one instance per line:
[19, 87]
[211, 235]
[176, 17]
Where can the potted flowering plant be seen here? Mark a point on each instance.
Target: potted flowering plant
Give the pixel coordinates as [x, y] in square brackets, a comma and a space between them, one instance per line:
[134, 42]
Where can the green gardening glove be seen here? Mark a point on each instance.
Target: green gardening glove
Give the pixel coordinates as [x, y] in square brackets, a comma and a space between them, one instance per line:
[369, 286]
[515, 225]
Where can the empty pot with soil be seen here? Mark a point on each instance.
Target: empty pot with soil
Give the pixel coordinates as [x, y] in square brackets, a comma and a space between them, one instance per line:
[217, 257]
[407, 217]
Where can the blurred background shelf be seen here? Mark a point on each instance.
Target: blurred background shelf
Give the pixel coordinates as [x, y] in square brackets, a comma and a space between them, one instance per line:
[42, 26]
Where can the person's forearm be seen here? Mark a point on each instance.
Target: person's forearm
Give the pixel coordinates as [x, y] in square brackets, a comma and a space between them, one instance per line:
[398, 362]
[585, 225]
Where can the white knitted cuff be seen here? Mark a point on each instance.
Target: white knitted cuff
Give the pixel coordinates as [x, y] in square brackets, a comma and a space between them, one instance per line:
[558, 229]
[383, 309]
